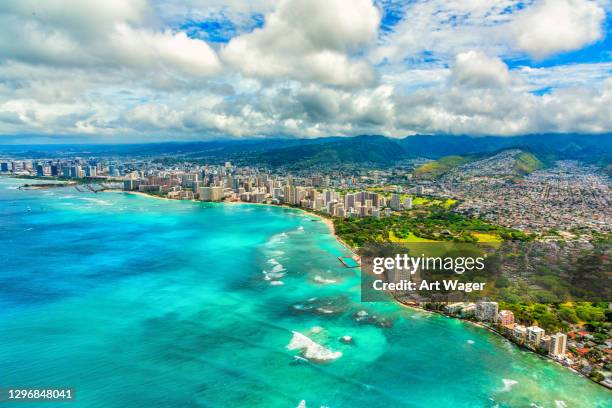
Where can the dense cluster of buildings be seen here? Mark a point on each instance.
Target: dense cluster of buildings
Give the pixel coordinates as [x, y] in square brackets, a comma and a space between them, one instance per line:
[569, 196]
[216, 183]
[224, 182]
[76, 168]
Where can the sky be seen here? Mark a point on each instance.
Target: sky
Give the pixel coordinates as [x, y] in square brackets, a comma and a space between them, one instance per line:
[95, 71]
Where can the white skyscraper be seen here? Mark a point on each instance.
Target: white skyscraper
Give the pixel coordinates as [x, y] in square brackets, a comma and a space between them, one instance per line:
[558, 344]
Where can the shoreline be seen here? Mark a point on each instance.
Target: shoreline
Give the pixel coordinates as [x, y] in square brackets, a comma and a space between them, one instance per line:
[497, 334]
[327, 221]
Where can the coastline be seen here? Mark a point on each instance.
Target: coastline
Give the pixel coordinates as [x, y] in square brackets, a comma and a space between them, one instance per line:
[332, 230]
[327, 221]
[138, 193]
[498, 334]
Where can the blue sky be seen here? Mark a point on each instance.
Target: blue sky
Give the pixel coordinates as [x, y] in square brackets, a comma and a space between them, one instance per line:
[200, 69]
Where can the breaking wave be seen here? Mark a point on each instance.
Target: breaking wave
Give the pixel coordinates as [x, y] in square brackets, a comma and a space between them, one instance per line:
[311, 350]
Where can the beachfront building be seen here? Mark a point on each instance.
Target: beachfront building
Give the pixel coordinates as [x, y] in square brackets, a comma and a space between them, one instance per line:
[454, 308]
[210, 193]
[486, 311]
[468, 310]
[519, 332]
[505, 317]
[534, 335]
[558, 345]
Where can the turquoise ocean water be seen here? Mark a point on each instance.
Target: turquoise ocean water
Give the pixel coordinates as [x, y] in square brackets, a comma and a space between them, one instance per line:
[138, 302]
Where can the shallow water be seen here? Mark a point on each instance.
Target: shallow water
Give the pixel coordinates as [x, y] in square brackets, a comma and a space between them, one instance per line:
[150, 303]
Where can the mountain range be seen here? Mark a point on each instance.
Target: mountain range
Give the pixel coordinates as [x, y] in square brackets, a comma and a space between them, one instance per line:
[371, 150]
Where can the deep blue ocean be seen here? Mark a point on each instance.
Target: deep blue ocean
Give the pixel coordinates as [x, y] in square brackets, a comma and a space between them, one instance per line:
[140, 302]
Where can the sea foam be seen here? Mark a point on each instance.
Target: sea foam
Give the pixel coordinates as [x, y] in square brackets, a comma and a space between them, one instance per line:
[324, 281]
[311, 350]
[508, 384]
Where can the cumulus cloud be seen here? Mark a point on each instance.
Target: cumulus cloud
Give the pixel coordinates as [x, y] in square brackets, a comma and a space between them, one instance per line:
[89, 33]
[552, 26]
[315, 68]
[475, 69]
[310, 40]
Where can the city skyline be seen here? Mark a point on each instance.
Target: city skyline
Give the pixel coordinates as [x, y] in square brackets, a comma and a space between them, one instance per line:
[95, 72]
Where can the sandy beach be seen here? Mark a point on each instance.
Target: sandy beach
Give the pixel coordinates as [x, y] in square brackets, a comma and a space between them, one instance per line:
[138, 193]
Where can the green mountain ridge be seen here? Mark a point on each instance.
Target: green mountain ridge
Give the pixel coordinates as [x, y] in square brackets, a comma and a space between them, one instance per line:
[372, 150]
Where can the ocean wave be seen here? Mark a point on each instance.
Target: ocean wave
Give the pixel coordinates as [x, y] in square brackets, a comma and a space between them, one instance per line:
[560, 404]
[311, 350]
[96, 200]
[272, 275]
[276, 272]
[278, 238]
[508, 384]
[302, 404]
[277, 283]
[278, 268]
[324, 281]
[470, 342]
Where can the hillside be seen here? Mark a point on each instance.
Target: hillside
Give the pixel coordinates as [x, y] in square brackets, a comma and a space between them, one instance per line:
[377, 150]
[360, 150]
[437, 168]
[511, 163]
[527, 163]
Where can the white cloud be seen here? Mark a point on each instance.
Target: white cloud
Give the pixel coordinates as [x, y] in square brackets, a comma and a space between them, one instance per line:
[119, 69]
[91, 34]
[553, 26]
[169, 51]
[475, 69]
[444, 28]
[309, 40]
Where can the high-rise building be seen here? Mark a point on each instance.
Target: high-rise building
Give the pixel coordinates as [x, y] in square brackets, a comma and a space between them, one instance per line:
[395, 202]
[4, 167]
[290, 195]
[558, 344]
[349, 201]
[91, 171]
[534, 334]
[519, 332]
[486, 311]
[505, 317]
[210, 193]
